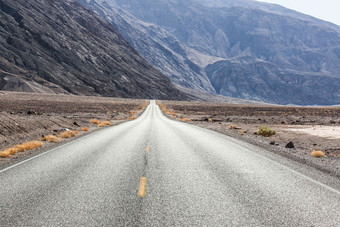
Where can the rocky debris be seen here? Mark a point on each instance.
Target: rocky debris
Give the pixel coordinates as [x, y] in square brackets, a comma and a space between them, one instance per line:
[290, 145]
[76, 124]
[31, 112]
[61, 47]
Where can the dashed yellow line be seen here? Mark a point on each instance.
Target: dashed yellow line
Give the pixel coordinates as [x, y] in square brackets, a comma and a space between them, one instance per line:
[147, 148]
[142, 187]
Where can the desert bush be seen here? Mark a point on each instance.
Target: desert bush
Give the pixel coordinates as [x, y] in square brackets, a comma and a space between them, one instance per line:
[18, 148]
[165, 110]
[13, 150]
[132, 118]
[232, 126]
[84, 129]
[317, 154]
[51, 138]
[265, 131]
[76, 132]
[67, 134]
[104, 123]
[185, 119]
[107, 122]
[5, 154]
[29, 145]
[95, 121]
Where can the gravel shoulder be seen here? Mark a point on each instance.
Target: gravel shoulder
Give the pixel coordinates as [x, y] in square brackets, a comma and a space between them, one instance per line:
[308, 128]
[29, 116]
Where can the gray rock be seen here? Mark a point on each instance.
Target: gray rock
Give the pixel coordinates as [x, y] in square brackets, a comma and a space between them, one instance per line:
[290, 145]
[61, 47]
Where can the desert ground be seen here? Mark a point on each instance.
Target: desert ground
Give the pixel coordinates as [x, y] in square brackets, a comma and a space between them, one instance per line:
[30, 117]
[307, 128]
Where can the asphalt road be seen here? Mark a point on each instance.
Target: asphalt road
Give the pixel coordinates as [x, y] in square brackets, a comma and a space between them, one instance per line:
[154, 171]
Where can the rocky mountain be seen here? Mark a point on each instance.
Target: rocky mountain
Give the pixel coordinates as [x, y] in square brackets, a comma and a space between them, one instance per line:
[156, 45]
[245, 49]
[59, 46]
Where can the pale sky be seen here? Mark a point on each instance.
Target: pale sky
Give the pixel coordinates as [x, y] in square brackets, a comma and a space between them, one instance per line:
[328, 10]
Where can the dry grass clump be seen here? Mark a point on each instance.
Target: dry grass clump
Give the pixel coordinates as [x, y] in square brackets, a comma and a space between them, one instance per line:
[85, 129]
[165, 110]
[5, 154]
[185, 119]
[19, 148]
[51, 138]
[94, 121]
[133, 112]
[100, 123]
[67, 134]
[143, 106]
[104, 123]
[232, 126]
[317, 154]
[76, 132]
[265, 131]
[29, 145]
[132, 118]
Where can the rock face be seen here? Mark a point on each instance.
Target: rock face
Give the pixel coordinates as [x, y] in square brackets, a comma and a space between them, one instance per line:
[256, 51]
[156, 45]
[59, 46]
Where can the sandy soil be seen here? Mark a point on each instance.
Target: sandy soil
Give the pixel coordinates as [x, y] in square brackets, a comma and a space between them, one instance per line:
[27, 116]
[308, 128]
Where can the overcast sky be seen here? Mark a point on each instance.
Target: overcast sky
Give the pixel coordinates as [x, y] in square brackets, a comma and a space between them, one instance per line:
[328, 10]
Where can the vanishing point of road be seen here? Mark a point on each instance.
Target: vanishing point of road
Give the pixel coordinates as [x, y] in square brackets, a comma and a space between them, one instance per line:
[154, 171]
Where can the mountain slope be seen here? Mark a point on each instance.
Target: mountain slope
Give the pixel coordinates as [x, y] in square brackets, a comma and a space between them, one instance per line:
[59, 46]
[156, 45]
[245, 34]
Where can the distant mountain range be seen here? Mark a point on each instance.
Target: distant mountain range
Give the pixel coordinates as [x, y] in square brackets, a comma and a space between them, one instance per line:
[243, 49]
[59, 46]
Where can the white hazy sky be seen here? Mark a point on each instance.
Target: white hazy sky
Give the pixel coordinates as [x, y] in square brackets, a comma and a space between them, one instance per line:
[328, 10]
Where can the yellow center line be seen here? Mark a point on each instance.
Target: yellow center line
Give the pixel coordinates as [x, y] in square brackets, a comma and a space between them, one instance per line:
[142, 187]
[147, 148]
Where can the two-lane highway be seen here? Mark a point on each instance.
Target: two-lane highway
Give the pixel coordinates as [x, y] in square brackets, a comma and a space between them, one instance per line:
[154, 171]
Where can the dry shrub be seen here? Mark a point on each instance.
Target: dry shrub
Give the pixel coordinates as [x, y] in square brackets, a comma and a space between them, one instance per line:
[185, 119]
[317, 154]
[107, 122]
[95, 121]
[133, 112]
[12, 150]
[67, 134]
[76, 132]
[22, 147]
[104, 123]
[165, 110]
[29, 145]
[265, 131]
[132, 118]
[51, 138]
[5, 154]
[232, 126]
[84, 129]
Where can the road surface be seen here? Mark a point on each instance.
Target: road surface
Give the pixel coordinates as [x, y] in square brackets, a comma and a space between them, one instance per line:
[154, 171]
